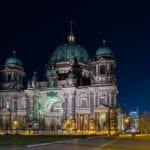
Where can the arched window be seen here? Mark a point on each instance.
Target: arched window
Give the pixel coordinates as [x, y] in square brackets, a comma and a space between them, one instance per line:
[56, 107]
[112, 99]
[84, 100]
[102, 69]
[112, 70]
[94, 70]
[7, 105]
[9, 77]
[103, 99]
[84, 103]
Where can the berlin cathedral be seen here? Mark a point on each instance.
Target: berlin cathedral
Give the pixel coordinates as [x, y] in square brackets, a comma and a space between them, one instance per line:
[78, 94]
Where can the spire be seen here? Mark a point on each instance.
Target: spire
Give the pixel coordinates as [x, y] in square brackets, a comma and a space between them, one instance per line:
[34, 77]
[14, 52]
[34, 81]
[34, 73]
[71, 37]
[104, 41]
[52, 66]
[71, 28]
[137, 109]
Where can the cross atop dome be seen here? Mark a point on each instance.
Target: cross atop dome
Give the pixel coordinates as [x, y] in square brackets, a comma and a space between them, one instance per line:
[71, 37]
[14, 52]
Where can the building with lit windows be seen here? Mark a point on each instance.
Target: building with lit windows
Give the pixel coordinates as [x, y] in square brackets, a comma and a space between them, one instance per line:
[77, 96]
[134, 121]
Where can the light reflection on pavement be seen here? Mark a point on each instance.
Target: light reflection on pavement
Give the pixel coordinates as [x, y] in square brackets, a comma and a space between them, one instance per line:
[76, 144]
[12, 148]
[81, 144]
[94, 143]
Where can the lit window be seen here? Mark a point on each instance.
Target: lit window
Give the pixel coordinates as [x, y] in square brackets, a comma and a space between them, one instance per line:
[7, 105]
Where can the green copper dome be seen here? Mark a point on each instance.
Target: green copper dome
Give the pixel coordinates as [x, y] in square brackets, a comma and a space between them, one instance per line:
[102, 51]
[70, 52]
[52, 72]
[13, 60]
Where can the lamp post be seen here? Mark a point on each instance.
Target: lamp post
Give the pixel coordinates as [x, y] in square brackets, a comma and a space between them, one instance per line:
[95, 122]
[56, 110]
[109, 122]
[15, 124]
[57, 121]
[126, 120]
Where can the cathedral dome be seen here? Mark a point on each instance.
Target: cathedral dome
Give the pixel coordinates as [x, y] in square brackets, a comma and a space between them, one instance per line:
[13, 60]
[104, 50]
[70, 51]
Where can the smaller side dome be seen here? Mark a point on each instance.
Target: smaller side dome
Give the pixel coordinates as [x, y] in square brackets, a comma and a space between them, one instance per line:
[51, 72]
[13, 60]
[104, 50]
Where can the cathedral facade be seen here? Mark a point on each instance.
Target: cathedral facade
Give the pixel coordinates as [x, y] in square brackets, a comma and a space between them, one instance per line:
[78, 94]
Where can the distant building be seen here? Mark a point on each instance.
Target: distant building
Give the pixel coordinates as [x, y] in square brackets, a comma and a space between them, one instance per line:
[123, 120]
[78, 95]
[134, 121]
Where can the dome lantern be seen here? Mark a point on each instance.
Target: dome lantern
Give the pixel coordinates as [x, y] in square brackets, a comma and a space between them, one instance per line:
[13, 74]
[71, 37]
[70, 51]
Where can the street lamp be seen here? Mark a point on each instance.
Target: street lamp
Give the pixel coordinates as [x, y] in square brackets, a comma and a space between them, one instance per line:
[109, 122]
[57, 124]
[15, 124]
[126, 120]
[111, 119]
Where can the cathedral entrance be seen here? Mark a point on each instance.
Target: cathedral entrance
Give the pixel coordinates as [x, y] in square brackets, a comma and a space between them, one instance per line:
[49, 112]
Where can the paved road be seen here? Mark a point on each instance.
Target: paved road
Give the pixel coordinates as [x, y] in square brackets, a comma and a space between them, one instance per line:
[93, 143]
[77, 144]
[129, 143]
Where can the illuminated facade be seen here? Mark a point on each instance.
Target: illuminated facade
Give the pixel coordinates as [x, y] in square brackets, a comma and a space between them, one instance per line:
[79, 93]
[134, 121]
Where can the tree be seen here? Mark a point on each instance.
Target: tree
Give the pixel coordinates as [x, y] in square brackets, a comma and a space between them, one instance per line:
[144, 122]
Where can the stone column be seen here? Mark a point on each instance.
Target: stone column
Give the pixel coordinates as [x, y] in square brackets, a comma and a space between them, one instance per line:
[97, 69]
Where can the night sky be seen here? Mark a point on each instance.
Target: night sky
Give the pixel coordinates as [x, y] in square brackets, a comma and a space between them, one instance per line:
[36, 28]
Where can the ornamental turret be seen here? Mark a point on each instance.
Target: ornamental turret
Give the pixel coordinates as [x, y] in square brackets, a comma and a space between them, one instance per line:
[103, 74]
[12, 74]
[103, 66]
[52, 77]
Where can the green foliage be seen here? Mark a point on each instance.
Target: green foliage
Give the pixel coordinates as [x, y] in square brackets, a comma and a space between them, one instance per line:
[145, 122]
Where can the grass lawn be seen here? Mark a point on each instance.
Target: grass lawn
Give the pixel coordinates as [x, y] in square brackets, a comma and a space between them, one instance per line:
[22, 140]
